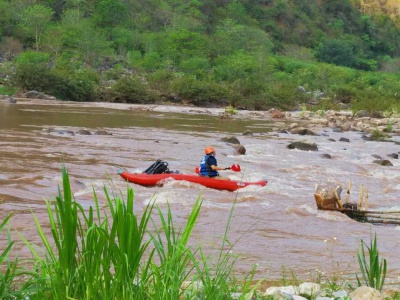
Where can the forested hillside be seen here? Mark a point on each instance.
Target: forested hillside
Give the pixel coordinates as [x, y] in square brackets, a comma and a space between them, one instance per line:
[244, 53]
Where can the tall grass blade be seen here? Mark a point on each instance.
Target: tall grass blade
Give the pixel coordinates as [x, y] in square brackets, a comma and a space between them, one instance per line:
[176, 259]
[373, 271]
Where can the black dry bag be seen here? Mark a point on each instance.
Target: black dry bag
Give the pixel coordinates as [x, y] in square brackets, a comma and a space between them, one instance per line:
[159, 167]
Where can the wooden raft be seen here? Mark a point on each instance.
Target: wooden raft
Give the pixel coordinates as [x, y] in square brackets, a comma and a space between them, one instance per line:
[328, 198]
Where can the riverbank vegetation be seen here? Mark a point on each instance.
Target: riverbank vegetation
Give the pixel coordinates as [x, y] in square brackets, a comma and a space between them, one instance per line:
[245, 54]
[111, 252]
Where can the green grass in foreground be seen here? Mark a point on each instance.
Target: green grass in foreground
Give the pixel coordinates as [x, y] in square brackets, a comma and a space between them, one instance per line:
[373, 270]
[114, 254]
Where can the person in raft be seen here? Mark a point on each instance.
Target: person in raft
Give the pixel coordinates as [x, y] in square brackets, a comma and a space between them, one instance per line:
[208, 165]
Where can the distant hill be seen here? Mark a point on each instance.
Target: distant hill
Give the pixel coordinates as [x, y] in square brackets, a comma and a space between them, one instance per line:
[244, 53]
[387, 7]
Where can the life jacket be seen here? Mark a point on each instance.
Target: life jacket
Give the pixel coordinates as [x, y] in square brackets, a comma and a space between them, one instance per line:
[205, 168]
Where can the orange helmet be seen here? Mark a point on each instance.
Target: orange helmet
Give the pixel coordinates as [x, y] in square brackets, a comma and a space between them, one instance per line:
[209, 150]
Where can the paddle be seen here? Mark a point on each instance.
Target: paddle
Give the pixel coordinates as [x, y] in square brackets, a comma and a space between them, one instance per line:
[234, 168]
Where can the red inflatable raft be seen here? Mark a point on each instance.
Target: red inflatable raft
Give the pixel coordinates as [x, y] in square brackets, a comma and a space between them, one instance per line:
[157, 179]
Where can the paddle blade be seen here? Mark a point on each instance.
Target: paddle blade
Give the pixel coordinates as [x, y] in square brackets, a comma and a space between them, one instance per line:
[235, 168]
[197, 170]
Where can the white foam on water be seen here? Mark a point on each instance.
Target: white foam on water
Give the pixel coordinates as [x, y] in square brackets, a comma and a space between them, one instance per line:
[333, 216]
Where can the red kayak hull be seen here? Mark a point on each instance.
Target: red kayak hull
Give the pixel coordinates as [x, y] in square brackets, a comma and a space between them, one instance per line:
[219, 184]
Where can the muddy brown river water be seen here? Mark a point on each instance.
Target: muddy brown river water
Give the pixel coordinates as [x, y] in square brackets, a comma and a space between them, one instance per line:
[274, 227]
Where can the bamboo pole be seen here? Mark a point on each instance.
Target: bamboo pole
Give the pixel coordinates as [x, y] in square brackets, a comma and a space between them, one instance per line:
[362, 211]
[360, 197]
[348, 192]
[384, 217]
[338, 199]
[384, 222]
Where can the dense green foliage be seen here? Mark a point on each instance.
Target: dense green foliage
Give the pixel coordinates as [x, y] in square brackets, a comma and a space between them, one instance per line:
[251, 54]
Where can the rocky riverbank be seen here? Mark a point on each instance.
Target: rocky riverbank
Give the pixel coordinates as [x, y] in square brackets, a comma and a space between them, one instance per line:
[376, 126]
[311, 120]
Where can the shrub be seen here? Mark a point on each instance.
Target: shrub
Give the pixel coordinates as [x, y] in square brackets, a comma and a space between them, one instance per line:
[160, 80]
[150, 61]
[337, 52]
[343, 94]
[114, 73]
[129, 90]
[7, 90]
[76, 86]
[33, 71]
[237, 65]
[297, 52]
[201, 92]
[197, 66]
[372, 100]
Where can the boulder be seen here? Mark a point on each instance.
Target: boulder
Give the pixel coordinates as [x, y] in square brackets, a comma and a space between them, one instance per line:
[366, 137]
[341, 293]
[231, 140]
[303, 145]
[282, 131]
[102, 132]
[239, 149]
[12, 100]
[277, 114]
[365, 293]
[362, 114]
[309, 289]
[383, 162]
[247, 132]
[377, 114]
[302, 131]
[35, 94]
[301, 90]
[290, 289]
[62, 132]
[84, 132]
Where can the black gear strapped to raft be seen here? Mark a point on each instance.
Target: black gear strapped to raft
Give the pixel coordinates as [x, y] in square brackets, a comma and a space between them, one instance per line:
[159, 167]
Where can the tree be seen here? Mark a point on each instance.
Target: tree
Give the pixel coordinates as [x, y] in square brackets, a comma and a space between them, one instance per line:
[10, 47]
[110, 13]
[52, 40]
[231, 37]
[36, 18]
[238, 65]
[4, 16]
[92, 45]
[32, 71]
[82, 40]
[337, 52]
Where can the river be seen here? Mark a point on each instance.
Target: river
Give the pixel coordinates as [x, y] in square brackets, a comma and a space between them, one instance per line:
[275, 227]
